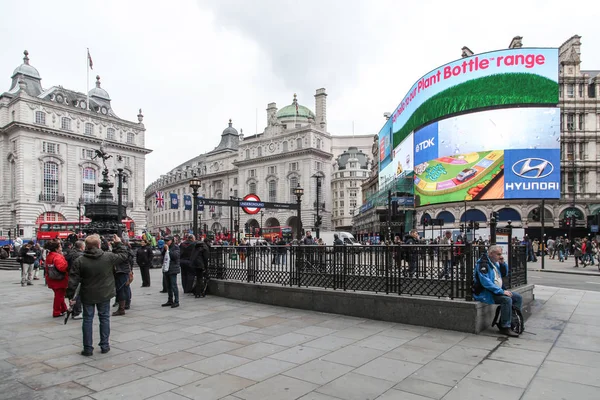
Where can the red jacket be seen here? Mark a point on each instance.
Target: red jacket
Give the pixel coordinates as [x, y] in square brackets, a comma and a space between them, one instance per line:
[61, 264]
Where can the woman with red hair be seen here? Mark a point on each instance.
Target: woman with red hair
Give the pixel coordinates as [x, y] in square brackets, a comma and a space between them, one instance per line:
[57, 276]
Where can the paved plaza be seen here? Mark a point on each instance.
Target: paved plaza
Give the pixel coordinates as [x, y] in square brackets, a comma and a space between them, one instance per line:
[216, 348]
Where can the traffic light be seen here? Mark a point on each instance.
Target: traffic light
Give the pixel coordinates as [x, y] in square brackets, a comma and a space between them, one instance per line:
[462, 228]
[395, 208]
[494, 217]
[246, 228]
[319, 220]
[476, 225]
[535, 214]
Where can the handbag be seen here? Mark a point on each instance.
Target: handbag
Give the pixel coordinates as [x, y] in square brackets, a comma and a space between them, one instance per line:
[130, 278]
[166, 262]
[54, 273]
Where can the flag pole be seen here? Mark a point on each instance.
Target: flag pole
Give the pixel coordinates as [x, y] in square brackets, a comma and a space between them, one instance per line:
[87, 87]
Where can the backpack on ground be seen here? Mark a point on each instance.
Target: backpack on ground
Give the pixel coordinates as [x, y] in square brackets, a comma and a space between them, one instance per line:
[517, 324]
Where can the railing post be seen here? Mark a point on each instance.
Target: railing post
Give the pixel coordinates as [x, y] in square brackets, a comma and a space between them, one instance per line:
[387, 273]
[469, 265]
[452, 292]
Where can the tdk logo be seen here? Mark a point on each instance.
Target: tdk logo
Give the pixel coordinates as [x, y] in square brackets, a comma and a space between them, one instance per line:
[532, 168]
[424, 144]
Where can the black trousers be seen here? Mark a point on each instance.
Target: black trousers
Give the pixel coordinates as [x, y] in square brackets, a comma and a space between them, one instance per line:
[187, 278]
[145, 272]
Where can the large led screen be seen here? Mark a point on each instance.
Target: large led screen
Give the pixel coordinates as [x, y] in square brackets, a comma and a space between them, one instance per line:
[401, 162]
[513, 77]
[496, 154]
[385, 145]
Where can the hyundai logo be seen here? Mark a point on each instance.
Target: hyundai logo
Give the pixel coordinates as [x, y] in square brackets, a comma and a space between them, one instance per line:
[533, 168]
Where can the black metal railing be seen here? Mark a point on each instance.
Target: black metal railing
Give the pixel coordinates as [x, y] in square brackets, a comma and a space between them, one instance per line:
[52, 198]
[424, 270]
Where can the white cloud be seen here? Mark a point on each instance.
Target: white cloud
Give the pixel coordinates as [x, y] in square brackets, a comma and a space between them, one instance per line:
[192, 65]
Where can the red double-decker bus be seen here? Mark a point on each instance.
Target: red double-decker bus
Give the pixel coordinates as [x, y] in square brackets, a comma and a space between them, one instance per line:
[275, 232]
[48, 230]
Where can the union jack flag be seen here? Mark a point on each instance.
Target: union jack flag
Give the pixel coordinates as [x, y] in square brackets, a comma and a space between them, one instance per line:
[160, 199]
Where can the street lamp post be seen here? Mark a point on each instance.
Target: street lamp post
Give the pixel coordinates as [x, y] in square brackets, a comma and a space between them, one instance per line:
[194, 185]
[318, 220]
[261, 222]
[298, 191]
[79, 205]
[120, 198]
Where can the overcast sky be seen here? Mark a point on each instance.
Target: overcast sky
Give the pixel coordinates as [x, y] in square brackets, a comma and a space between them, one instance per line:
[193, 64]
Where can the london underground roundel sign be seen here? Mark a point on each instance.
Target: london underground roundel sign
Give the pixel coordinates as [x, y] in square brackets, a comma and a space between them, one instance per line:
[251, 198]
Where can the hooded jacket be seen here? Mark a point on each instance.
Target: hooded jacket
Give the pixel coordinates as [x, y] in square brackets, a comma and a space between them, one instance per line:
[94, 270]
[484, 279]
[174, 267]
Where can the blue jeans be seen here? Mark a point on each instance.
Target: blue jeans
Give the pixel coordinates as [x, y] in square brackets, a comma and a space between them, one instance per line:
[120, 285]
[506, 304]
[172, 288]
[88, 319]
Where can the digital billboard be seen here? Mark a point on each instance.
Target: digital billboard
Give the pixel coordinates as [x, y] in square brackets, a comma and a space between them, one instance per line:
[496, 154]
[401, 162]
[385, 145]
[505, 78]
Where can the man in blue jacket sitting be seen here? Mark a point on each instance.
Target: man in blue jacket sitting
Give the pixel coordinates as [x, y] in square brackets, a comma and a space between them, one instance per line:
[488, 288]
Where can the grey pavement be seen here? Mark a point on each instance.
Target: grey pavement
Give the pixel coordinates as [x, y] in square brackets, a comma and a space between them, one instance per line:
[217, 348]
[566, 267]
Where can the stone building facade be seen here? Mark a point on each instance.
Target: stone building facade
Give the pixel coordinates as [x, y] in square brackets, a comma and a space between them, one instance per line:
[579, 101]
[293, 149]
[48, 138]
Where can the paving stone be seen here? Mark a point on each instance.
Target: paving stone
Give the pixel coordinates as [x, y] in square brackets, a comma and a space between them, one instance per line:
[354, 356]
[277, 388]
[265, 322]
[217, 364]
[214, 348]
[571, 356]
[400, 333]
[380, 342]
[15, 391]
[262, 369]
[121, 360]
[61, 376]
[290, 339]
[64, 391]
[170, 347]
[534, 345]
[481, 342]
[316, 396]
[234, 330]
[423, 388]
[133, 335]
[318, 371]
[548, 389]
[257, 350]
[249, 338]
[299, 354]
[464, 355]
[330, 342]
[214, 387]
[131, 345]
[414, 354]
[503, 373]
[170, 396]
[560, 371]
[443, 372]
[356, 387]
[394, 394]
[357, 333]
[388, 369]
[172, 360]
[518, 356]
[316, 331]
[139, 389]
[115, 377]
[475, 389]
[196, 329]
[180, 376]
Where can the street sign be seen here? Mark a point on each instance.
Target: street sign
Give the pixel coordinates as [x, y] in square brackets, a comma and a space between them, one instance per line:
[251, 204]
[594, 228]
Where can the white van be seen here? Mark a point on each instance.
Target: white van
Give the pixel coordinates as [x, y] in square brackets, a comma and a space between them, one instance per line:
[346, 237]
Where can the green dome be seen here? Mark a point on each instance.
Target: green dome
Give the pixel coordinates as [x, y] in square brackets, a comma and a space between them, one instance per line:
[290, 111]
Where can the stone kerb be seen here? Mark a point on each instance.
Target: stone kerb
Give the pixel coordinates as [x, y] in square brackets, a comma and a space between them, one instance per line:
[458, 315]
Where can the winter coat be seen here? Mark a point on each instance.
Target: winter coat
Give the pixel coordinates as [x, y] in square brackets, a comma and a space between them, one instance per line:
[126, 266]
[174, 256]
[58, 260]
[27, 258]
[94, 270]
[144, 256]
[200, 256]
[186, 249]
[484, 279]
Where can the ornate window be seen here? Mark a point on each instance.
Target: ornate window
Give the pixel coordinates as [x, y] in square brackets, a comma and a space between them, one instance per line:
[13, 179]
[65, 123]
[252, 187]
[125, 189]
[87, 154]
[294, 166]
[40, 117]
[88, 188]
[293, 185]
[130, 138]
[50, 181]
[318, 143]
[570, 90]
[50, 148]
[247, 153]
[89, 129]
[272, 170]
[272, 191]
[259, 151]
[299, 143]
[285, 146]
[110, 134]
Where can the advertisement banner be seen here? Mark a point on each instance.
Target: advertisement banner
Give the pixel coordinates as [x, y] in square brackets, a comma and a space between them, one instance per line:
[505, 78]
[532, 175]
[385, 145]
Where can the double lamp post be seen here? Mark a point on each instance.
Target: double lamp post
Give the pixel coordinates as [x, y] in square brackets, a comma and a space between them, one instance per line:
[195, 184]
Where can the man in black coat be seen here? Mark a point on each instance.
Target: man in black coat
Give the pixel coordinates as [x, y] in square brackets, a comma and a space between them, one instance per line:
[187, 271]
[144, 256]
[171, 274]
[73, 254]
[412, 254]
